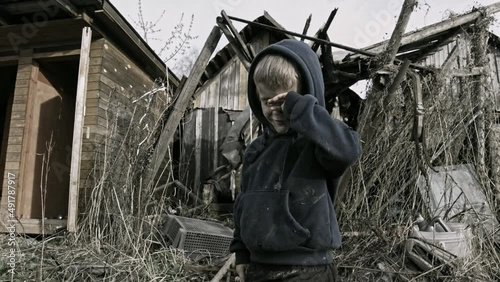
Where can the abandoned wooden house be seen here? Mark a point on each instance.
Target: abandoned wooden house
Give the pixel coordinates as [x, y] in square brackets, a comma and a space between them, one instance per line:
[67, 67]
[217, 103]
[444, 47]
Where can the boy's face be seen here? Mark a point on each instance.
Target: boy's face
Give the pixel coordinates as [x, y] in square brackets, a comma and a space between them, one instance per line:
[273, 112]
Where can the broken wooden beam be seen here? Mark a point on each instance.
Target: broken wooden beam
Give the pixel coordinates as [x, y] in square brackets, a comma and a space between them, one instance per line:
[438, 28]
[272, 28]
[322, 34]
[392, 47]
[236, 35]
[306, 26]
[183, 99]
[234, 44]
[322, 41]
[399, 78]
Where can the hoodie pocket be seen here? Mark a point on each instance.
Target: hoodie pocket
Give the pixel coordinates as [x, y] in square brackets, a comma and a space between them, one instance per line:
[267, 224]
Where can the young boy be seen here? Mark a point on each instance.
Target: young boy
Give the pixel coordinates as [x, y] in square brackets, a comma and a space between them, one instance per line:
[285, 224]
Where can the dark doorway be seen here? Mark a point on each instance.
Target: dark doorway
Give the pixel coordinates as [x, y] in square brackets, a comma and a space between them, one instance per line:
[7, 87]
[50, 138]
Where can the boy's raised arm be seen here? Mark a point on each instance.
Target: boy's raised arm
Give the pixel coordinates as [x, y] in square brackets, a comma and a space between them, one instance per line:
[337, 145]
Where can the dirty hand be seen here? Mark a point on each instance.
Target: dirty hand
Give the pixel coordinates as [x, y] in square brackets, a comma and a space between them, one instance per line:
[277, 103]
[240, 270]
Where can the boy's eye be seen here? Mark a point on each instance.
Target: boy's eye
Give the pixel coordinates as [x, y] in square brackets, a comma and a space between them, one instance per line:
[276, 103]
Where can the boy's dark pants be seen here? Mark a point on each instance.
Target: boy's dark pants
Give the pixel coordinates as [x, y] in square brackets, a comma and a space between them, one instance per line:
[319, 273]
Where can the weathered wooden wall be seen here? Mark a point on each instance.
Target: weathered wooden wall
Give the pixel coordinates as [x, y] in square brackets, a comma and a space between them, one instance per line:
[226, 90]
[7, 86]
[217, 103]
[203, 132]
[94, 122]
[27, 71]
[462, 60]
[115, 82]
[457, 83]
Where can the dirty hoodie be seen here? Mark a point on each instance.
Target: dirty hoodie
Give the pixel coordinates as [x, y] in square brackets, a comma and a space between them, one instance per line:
[284, 214]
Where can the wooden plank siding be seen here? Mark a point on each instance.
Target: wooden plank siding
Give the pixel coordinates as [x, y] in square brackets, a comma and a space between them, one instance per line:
[200, 154]
[463, 60]
[115, 81]
[26, 84]
[224, 86]
[230, 88]
[17, 124]
[90, 123]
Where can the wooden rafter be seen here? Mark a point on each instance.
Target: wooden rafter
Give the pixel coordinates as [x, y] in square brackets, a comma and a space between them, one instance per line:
[437, 28]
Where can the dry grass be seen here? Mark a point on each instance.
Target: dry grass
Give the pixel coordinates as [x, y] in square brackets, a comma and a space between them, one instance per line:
[118, 237]
[383, 198]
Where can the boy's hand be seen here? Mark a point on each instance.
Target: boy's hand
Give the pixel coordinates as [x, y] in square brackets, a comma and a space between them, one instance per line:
[277, 102]
[240, 270]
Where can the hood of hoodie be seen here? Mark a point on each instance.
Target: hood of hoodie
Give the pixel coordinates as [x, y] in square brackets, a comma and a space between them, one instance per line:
[307, 63]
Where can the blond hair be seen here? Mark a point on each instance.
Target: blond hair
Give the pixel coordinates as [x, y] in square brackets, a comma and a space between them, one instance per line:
[276, 72]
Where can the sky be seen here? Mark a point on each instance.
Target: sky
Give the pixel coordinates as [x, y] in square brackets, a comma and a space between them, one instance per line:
[358, 23]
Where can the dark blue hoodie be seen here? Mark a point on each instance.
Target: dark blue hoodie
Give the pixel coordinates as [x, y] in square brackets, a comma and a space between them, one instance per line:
[284, 214]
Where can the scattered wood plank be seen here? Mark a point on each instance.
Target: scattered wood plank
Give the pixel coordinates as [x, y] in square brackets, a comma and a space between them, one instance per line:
[224, 269]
